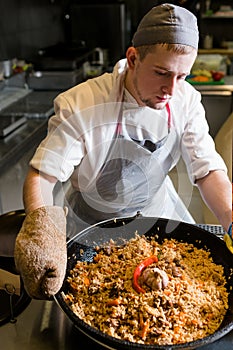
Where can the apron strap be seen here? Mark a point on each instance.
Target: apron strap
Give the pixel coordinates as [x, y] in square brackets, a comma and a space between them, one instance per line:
[169, 120]
[119, 128]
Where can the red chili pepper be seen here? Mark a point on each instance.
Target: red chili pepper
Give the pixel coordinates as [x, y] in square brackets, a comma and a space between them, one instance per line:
[137, 272]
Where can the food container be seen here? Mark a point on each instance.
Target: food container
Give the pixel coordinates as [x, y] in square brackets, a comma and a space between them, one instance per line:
[124, 229]
[210, 62]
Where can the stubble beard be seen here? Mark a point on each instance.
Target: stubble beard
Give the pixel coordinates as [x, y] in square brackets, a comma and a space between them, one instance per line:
[146, 101]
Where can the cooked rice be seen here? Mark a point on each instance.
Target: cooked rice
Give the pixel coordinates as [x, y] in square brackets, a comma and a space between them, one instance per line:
[191, 307]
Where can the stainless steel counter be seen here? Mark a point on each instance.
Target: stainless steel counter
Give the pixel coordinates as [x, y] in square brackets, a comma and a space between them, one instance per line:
[36, 107]
[18, 146]
[13, 147]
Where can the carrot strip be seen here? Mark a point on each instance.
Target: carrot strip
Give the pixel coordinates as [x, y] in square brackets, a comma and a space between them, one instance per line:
[114, 302]
[86, 281]
[145, 330]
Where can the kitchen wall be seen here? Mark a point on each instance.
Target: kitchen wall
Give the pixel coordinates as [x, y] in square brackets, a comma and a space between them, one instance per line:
[216, 20]
[26, 25]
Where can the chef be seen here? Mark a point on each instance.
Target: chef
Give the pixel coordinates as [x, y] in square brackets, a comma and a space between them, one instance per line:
[114, 139]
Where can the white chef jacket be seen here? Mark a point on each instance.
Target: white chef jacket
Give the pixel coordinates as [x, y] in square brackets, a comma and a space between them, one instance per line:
[81, 131]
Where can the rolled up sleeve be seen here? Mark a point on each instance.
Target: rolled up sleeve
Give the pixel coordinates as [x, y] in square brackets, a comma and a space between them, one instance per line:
[197, 146]
[63, 148]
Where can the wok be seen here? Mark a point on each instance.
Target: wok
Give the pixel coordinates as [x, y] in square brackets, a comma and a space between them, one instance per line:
[125, 228]
[10, 224]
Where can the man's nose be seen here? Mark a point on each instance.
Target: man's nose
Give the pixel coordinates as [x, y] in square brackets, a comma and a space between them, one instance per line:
[170, 86]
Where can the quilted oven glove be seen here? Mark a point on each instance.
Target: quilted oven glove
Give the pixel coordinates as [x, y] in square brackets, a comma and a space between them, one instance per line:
[228, 239]
[41, 253]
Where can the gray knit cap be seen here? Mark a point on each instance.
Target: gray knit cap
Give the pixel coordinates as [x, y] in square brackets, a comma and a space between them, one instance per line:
[169, 24]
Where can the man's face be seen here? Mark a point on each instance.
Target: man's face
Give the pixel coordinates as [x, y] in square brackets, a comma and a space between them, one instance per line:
[155, 79]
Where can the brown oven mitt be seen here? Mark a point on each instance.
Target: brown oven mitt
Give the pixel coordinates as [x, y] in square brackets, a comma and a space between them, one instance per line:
[41, 253]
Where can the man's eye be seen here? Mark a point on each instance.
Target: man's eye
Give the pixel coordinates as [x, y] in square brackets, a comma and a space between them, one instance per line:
[160, 73]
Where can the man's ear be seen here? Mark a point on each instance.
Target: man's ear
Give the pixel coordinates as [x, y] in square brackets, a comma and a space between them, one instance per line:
[131, 55]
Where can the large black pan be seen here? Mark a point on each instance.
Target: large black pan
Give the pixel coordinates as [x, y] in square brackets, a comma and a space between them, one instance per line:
[10, 224]
[125, 228]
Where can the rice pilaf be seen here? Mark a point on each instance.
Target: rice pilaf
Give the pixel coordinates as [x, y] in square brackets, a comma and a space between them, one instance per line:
[191, 306]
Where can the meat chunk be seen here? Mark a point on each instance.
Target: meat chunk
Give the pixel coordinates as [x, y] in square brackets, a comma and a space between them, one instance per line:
[154, 278]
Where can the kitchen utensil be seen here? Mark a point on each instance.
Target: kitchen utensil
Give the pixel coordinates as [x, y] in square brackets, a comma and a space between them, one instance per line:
[125, 228]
